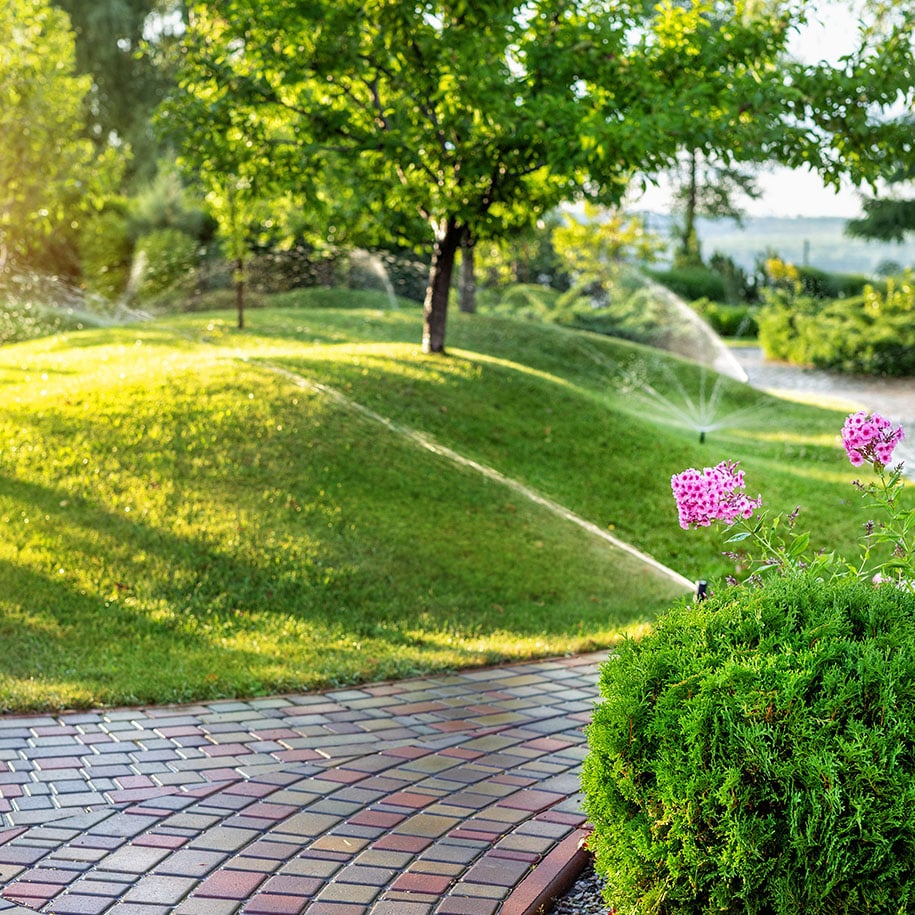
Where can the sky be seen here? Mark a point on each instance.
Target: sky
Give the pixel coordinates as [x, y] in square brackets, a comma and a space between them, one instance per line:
[830, 32]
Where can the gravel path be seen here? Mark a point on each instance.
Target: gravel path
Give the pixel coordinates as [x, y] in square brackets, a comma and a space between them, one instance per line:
[893, 397]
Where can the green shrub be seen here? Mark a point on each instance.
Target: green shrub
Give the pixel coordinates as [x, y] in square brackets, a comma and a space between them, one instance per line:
[755, 753]
[168, 258]
[823, 285]
[692, 283]
[105, 252]
[738, 287]
[728, 320]
[873, 333]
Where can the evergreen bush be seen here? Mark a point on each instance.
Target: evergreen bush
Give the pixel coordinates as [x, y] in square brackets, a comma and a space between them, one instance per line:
[820, 284]
[169, 258]
[871, 334]
[692, 283]
[756, 753]
[728, 320]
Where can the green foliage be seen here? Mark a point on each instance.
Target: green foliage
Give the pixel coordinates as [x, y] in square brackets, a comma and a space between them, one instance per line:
[620, 305]
[753, 754]
[820, 284]
[738, 287]
[528, 256]
[166, 260]
[106, 250]
[127, 83]
[728, 320]
[870, 334]
[692, 283]
[50, 176]
[888, 218]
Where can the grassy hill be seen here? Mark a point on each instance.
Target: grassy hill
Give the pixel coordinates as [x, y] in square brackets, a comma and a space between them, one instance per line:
[188, 511]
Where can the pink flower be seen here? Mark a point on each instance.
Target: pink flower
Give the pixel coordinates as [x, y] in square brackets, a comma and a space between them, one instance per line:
[870, 438]
[714, 494]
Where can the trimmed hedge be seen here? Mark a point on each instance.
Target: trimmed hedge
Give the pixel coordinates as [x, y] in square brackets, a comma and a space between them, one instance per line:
[692, 283]
[756, 754]
[823, 285]
[728, 320]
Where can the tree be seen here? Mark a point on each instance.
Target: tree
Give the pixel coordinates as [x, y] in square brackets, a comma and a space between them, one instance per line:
[594, 246]
[478, 116]
[50, 175]
[482, 116]
[887, 218]
[711, 189]
[128, 81]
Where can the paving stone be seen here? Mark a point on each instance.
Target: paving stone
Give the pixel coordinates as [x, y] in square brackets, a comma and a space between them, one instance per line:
[21, 854]
[229, 884]
[188, 862]
[379, 858]
[347, 845]
[143, 908]
[466, 905]
[197, 905]
[162, 890]
[426, 825]
[26, 891]
[353, 893]
[402, 843]
[483, 890]
[221, 839]
[274, 904]
[399, 907]
[134, 859]
[77, 904]
[342, 908]
[321, 868]
[294, 885]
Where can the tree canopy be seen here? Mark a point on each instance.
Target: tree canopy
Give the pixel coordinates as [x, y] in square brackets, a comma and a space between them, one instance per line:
[889, 216]
[50, 174]
[476, 118]
[114, 47]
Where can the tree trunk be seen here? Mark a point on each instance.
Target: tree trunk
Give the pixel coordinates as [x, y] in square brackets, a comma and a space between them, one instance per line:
[690, 254]
[435, 308]
[467, 281]
[240, 292]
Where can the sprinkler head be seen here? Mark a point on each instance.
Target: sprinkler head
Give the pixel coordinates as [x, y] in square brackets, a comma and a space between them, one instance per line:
[702, 436]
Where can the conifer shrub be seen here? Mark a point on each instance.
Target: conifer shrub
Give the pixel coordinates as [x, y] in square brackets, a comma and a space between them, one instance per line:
[756, 753]
[870, 334]
[692, 283]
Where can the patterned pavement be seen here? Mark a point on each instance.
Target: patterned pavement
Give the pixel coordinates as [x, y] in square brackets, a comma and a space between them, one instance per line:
[455, 794]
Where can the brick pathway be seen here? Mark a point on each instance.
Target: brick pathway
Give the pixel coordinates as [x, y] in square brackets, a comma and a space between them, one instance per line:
[451, 794]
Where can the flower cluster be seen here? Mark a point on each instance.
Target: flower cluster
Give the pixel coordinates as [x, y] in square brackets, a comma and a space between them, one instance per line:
[869, 438]
[888, 549]
[713, 494]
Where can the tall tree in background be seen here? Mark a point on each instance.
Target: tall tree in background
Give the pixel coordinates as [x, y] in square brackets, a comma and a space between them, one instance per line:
[710, 189]
[128, 82]
[50, 174]
[890, 216]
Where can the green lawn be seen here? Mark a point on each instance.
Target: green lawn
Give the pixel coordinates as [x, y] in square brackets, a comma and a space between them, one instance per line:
[180, 520]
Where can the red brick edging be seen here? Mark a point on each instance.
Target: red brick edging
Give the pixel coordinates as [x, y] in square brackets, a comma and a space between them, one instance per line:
[551, 878]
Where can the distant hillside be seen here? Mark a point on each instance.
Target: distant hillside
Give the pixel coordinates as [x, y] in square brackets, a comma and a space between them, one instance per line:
[820, 242]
